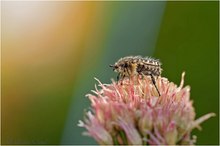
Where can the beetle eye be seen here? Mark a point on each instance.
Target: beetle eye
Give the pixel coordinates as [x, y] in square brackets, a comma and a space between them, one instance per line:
[125, 65]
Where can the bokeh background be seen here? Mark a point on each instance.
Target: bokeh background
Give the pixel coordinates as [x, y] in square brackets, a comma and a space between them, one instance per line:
[51, 52]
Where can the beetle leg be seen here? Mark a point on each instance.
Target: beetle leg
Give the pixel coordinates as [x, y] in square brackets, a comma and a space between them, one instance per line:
[154, 82]
[118, 77]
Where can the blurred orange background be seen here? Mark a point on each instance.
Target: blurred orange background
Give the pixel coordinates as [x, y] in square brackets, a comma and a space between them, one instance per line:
[43, 46]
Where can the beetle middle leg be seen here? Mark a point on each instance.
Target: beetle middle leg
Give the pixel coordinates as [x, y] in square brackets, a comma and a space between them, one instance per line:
[154, 82]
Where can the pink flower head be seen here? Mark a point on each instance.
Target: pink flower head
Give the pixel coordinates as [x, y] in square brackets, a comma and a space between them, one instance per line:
[132, 112]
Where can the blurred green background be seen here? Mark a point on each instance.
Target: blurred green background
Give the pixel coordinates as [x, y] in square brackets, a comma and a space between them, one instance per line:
[51, 52]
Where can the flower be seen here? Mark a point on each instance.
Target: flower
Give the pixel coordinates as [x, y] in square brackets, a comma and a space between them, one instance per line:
[132, 112]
